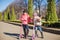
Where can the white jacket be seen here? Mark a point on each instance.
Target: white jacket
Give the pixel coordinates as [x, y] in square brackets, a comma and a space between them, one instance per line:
[36, 22]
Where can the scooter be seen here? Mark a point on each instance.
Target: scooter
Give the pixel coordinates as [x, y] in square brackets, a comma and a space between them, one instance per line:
[21, 35]
[33, 35]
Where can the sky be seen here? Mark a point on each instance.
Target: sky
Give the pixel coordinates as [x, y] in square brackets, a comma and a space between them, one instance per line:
[4, 4]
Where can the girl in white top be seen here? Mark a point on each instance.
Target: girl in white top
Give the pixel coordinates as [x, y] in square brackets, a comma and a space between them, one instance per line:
[38, 23]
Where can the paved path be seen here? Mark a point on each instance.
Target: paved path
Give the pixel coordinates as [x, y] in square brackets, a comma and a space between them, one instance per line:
[11, 32]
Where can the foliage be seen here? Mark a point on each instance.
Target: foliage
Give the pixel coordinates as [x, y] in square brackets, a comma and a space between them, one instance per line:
[8, 13]
[13, 16]
[30, 7]
[51, 12]
[5, 16]
[0, 16]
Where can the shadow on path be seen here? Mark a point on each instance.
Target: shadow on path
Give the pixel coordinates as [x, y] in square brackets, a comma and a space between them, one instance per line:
[15, 35]
[12, 35]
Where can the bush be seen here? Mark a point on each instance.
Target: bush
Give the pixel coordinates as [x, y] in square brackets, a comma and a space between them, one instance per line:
[0, 16]
[5, 17]
[13, 16]
[59, 20]
[30, 7]
[54, 25]
[18, 21]
[51, 16]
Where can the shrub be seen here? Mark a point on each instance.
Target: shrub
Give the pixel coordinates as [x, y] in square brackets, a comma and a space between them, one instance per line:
[13, 16]
[0, 16]
[30, 7]
[5, 16]
[51, 16]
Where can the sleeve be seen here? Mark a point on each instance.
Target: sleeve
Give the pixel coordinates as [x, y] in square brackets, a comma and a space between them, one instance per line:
[29, 19]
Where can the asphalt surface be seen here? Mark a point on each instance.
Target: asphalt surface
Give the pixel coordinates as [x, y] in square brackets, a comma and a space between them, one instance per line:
[11, 32]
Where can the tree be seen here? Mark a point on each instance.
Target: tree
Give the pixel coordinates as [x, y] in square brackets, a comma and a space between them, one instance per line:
[0, 16]
[5, 16]
[13, 16]
[30, 7]
[51, 12]
[58, 8]
[8, 13]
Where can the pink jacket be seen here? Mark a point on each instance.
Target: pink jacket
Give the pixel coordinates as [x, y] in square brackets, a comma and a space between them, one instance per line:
[25, 18]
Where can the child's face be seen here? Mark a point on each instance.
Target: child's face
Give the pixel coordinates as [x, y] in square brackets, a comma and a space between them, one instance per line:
[35, 14]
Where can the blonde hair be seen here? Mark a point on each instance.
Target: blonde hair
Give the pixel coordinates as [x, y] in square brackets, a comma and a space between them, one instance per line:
[35, 13]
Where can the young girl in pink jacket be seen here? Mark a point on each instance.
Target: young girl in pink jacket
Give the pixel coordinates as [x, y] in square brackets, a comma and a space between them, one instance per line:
[25, 19]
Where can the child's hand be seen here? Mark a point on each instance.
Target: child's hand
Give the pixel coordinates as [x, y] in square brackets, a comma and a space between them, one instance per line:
[38, 20]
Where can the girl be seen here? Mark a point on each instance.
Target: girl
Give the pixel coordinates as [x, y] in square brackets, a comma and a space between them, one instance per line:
[37, 23]
[25, 18]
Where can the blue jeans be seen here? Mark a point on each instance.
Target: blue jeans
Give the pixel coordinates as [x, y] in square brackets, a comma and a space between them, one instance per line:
[25, 29]
[40, 29]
